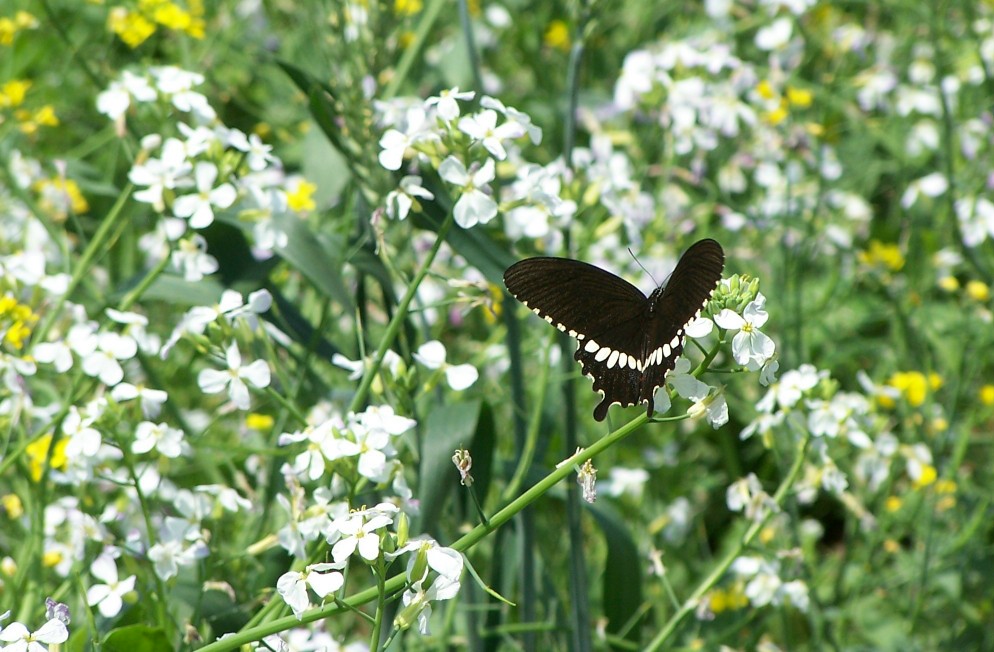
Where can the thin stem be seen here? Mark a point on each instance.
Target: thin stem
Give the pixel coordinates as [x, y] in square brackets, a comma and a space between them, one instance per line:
[381, 601]
[690, 604]
[393, 328]
[86, 261]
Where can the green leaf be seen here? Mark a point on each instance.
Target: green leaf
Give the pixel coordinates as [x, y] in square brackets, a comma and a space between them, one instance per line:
[319, 258]
[448, 427]
[622, 586]
[137, 638]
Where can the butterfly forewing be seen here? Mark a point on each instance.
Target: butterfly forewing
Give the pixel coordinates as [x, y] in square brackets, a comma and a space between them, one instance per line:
[575, 297]
[626, 343]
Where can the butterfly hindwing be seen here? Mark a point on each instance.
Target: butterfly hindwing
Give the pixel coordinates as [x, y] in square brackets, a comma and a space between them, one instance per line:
[626, 343]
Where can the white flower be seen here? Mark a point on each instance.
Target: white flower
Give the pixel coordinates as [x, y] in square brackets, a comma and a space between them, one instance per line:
[19, 639]
[447, 106]
[932, 185]
[432, 355]
[83, 439]
[976, 219]
[230, 306]
[58, 354]
[395, 143]
[359, 532]
[747, 494]
[622, 480]
[482, 127]
[323, 579]
[159, 174]
[750, 347]
[776, 35]
[417, 602]
[191, 258]
[151, 399]
[165, 439]
[399, 202]
[107, 596]
[259, 154]
[791, 388]
[382, 417]
[444, 561]
[234, 378]
[101, 355]
[115, 101]
[198, 207]
[474, 206]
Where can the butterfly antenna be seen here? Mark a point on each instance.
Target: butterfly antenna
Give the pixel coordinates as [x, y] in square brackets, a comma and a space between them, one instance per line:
[639, 263]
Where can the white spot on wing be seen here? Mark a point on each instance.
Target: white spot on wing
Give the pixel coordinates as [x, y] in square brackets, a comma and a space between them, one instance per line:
[572, 333]
[602, 354]
[591, 346]
[613, 358]
[561, 328]
[665, 351]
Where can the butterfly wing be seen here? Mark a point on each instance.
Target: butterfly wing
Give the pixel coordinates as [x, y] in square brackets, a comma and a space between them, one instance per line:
[625, 342]
[673, 306]
[602, 311]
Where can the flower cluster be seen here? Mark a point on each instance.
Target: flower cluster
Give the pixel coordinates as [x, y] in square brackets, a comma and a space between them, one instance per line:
[465, 150]
[203, 172]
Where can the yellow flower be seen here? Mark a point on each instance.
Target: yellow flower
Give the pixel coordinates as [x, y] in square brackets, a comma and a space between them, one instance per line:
[171, 16]
[945, 487]
[59, 197]
[765, 90]
[880, 254]
[912, 384]
[45, 116]
[12, 93]
[893, 503]
[12, 505]
[727, 599]
[799, 97]
[557, 35]
[948, 283]
[978, 291]
[51, 558]
[301, 198]
[7, 31]
[891, 546]
[37, 452]
[132, 28]
[256, 421]
[927, 477]
[776, 116]
[25, 20]
[986, 394]
[407, 7]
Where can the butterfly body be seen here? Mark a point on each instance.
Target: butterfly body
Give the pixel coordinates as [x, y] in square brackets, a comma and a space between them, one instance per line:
[626, 342]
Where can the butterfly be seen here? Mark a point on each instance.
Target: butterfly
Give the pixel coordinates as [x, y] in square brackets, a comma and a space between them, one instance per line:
[626, 342]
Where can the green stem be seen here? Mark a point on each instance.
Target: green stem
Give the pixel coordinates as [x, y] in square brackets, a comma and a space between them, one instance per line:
[393, 328]
[86, 261]
[428, 18]
[136, 292]
[381, 602]
[478, 533]
[531, 438]
[691, 603]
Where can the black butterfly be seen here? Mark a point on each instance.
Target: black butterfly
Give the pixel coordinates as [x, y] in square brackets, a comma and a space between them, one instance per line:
[626, 342]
